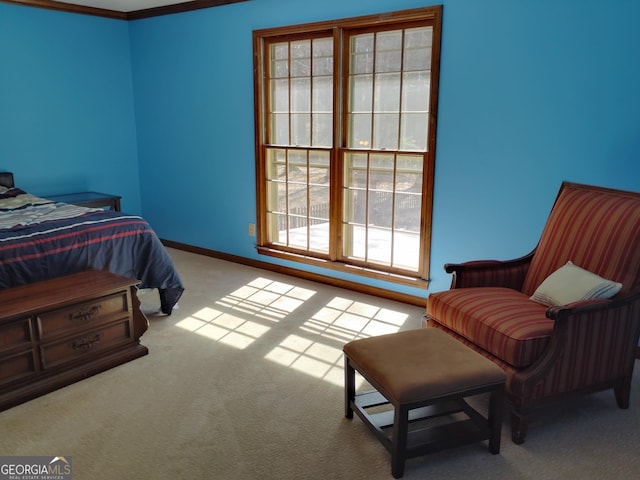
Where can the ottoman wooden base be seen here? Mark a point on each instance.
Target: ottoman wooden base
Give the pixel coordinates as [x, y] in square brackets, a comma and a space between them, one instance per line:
[422, 378]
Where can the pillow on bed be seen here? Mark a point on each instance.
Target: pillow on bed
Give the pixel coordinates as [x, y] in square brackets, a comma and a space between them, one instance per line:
[11, 192]
[16, 198]
[570, 283]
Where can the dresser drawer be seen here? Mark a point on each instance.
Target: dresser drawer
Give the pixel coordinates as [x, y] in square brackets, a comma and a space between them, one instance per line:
[16, 367]
[85, 344]
[16, 333]
[82, 315]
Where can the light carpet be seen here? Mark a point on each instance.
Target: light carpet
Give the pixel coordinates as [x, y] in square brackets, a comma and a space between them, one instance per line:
[244, 381]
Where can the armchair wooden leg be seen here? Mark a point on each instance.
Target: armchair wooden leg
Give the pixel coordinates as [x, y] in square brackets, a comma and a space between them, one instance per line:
[623, 392]
[519, 427]
[349, 387]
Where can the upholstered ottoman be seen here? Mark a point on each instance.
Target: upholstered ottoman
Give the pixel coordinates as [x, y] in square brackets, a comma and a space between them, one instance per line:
[422, 378]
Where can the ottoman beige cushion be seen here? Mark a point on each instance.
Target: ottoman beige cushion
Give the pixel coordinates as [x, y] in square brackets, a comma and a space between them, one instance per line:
[419, 364]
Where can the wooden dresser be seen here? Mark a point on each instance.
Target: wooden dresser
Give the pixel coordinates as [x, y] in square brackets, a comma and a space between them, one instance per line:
[59, 331]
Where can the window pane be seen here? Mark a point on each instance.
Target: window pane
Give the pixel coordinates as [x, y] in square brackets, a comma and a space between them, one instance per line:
[279, 197]
[276, 178]
[323, 95]
[297, 215]
[408, 187]
[385, 131]
[322, 133]
[405, 248]
[407, 217]
[319, 168]
[301, 58]
[279, 108]
[415, 105]
[300, 95]
[297, 166]
[381, 189]
[355, 191]
[380, 209]
[414, 131]
[280, 95]
[300, 134]
[279, 60]
[387, 94]
[417, 53]
[360, 131]
[276, 159]
[379, 245]
[319, 212]
[386, 119]
[300, 108]
[362, 54]
[322, 57]
[361, 93]
[415, 92]
[389, 51]
[322, 107]
[355, 206]
[360, 107]
[356, 170]
[277, 231]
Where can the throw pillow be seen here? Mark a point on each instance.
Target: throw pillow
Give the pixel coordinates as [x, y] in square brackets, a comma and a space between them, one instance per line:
[570, 283]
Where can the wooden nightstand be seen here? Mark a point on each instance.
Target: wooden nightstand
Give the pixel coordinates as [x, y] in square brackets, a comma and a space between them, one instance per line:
[89, 199]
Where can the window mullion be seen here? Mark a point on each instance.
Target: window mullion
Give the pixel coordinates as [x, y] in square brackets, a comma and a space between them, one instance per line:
[308, 213]
[290, 97]
[374, 79]
[336, 182]
[395, 157]
[286, 197]
[367, 197]
[393, 209]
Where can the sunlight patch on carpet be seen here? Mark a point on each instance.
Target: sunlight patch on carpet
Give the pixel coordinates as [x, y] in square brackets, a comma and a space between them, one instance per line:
[246, 315]
[317, 351]
[237, 319]
[266, 299]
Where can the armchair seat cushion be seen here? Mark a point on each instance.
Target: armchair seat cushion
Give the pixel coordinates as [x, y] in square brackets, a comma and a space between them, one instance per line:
[502, 321]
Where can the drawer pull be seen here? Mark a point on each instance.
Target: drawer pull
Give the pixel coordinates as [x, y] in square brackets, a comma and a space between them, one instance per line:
[85, 314]
[86, 343]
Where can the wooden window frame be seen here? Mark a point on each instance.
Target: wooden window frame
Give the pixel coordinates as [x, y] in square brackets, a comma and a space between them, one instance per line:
[337, 28]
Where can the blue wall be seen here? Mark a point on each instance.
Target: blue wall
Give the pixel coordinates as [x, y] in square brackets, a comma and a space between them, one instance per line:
[67, 121]
[531, 93]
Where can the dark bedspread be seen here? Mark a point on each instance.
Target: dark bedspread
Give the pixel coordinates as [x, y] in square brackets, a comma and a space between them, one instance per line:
[105, 240]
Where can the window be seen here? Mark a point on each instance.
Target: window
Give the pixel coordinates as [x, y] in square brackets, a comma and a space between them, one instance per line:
[345, 142]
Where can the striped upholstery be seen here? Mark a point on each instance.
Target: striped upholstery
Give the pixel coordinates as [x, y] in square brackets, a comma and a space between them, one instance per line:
[590, 357]
[549, 352]
[490, 273]
[502, 321]
[597, 230]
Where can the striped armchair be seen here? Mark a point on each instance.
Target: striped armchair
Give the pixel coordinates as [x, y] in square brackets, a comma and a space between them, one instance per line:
[580, 342]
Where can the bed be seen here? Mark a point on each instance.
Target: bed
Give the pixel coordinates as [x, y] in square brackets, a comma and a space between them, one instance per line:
[41, 239]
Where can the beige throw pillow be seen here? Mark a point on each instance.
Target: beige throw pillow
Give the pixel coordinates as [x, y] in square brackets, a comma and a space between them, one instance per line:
[571, 283]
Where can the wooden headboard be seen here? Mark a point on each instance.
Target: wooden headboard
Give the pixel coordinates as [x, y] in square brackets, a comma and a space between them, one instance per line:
[6, 179]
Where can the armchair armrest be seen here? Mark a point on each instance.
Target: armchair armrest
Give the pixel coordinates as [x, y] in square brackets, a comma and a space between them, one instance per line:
[592, 346]
[595, 306]
[489, 273]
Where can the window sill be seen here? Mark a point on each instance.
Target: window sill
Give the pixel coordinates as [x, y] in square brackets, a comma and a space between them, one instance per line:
[343, 267]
